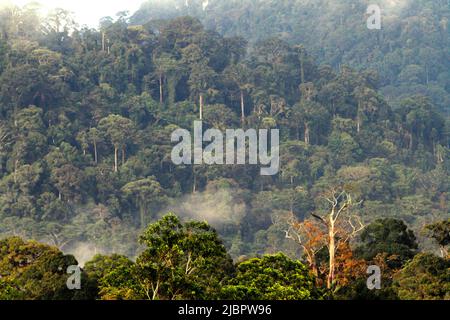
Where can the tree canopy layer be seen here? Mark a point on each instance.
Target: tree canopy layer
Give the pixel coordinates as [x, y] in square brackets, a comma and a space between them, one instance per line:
[86, 117]
[410, 52]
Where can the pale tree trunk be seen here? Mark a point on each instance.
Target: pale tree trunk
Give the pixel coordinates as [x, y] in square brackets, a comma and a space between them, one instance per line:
[194, 188]
[242, 107]
[95, 152]
[116, 159]
[307, 134]
[444, 252]
[201, 106]
[103, 42]
[358, 118]
[332, 253]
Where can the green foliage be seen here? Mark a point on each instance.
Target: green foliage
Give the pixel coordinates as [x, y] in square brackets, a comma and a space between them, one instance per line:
[407, 59]
[112, 278]
[440, 232]
[29, 270]
[426, 277]
[182, 261]
[388, 236]
[86, 118]
[272, 277]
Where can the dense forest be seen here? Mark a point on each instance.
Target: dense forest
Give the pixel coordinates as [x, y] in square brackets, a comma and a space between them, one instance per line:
[410, 52]
[86, 117]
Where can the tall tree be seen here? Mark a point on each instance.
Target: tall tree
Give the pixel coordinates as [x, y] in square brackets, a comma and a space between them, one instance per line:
[182, 261]
[120, 132]
[241, 75]
[165, 64]
[341, 224]
[201, 82]
[388, 236]
[146, 192]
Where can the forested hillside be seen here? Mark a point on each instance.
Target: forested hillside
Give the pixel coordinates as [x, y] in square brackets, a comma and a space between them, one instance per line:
[86, 118]
[410, 52]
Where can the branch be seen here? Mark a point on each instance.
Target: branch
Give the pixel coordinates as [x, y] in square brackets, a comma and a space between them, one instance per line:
[319, 218]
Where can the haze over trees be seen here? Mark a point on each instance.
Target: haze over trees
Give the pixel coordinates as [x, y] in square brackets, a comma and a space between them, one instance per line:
[86, 118]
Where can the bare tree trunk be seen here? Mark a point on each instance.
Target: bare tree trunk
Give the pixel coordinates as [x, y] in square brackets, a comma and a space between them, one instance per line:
[358, 123]
[95, 152]
[201, 106]
[242, 107]
[444, 252]
[358, 118]
[332, 253]
[307, 133]
[116, 159]
[194, 188]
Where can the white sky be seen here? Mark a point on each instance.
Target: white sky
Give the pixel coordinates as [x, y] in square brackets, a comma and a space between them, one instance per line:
[87, 12]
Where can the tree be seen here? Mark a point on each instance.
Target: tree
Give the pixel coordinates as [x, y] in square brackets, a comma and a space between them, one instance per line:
[440, 232]
[182, 261]
[69, 180]
[368, 105]
[34, 271]
[94, 136]
[426, 277]
[165, 64]
[388, 236]
[146, 192]
[220, 117]
[120, 131]
[83, 140]
[111, 277]
[423, 125]
[272, 277]
[310, 237]
[200, 82]
[340, 223]
[310, 116]
[59, 21]
[241, 75]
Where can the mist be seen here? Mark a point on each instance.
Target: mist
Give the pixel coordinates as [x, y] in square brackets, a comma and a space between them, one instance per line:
[218, 205]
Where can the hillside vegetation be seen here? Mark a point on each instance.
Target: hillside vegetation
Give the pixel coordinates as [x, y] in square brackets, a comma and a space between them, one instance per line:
[86, 118]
